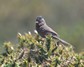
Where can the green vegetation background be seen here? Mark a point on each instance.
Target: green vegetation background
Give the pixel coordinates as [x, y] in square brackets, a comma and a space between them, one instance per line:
[65, 16]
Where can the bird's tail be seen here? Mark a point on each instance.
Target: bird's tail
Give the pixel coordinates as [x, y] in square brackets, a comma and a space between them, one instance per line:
[62, 41]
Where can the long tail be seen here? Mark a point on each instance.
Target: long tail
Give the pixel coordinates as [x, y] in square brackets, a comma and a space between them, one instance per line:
[61, 41]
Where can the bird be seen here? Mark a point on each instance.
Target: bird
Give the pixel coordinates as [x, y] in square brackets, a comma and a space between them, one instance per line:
[43, 30]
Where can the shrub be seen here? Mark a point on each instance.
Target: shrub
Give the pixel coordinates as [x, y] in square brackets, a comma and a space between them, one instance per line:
[34, 51]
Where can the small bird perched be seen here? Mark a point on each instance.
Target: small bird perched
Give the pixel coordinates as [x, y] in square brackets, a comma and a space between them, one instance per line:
[43, 29]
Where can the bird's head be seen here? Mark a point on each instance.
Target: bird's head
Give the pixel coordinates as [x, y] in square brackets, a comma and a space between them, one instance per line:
[40, 19]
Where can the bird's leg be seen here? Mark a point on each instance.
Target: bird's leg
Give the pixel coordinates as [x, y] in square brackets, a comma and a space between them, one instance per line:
[58, 43]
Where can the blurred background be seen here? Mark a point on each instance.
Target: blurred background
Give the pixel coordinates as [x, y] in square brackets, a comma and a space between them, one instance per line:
[66, 17]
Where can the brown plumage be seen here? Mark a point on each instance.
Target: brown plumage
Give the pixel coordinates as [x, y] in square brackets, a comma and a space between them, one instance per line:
[43, 29]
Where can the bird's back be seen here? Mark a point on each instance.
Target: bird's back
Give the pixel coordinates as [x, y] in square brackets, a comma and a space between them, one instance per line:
[48, 30]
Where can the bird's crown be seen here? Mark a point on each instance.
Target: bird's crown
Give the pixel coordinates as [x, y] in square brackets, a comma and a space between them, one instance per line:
[40, 19]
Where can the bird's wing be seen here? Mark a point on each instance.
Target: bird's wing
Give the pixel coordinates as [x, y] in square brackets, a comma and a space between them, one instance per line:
[47, 29]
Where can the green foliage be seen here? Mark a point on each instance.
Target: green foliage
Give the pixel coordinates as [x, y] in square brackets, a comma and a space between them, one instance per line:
[34, 51]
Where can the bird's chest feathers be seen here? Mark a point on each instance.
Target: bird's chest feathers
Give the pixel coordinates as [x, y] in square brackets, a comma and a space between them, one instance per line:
[41, 30]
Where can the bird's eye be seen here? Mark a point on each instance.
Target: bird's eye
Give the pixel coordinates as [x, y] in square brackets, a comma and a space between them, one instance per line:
[39, 18]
